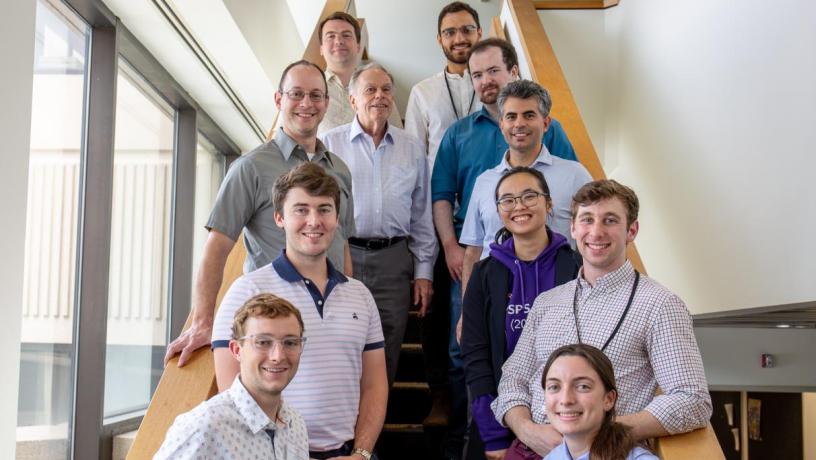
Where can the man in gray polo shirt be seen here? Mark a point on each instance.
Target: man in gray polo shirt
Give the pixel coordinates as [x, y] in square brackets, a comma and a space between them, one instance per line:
[244, 201]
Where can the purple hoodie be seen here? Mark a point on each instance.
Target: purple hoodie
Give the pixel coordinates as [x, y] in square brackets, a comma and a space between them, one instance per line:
[530, 278]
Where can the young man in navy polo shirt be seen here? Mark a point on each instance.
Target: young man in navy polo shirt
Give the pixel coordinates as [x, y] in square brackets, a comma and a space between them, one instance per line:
[341, 388]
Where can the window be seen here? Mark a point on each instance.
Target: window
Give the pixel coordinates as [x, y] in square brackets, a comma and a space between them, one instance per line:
[49, 279]
[209, 174]
[139, 288]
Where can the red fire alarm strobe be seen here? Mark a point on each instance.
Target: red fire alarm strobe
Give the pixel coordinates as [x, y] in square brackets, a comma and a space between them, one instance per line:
[767, 360]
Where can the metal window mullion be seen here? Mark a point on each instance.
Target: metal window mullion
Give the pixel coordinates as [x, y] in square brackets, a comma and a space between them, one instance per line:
[94, 246]
[181, 262]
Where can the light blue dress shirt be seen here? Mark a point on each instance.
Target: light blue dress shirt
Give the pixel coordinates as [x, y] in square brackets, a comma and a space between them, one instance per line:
[393, 185]
[471, 146]
[563, 177]
[561, 452]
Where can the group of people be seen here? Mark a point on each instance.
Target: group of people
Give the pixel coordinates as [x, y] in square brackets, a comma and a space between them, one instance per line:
[540, 338]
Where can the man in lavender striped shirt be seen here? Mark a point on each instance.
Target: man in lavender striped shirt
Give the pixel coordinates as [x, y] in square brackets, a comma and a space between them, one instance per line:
[644, 329]
[394, 242]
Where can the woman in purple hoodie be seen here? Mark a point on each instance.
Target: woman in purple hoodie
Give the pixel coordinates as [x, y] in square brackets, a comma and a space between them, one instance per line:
[527, 259]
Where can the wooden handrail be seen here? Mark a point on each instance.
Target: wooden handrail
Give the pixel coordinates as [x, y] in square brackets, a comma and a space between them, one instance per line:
[574, 4]
[181, 389]
[545, 69]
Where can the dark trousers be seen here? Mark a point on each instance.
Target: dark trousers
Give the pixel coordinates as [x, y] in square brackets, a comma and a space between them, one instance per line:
[435, 329]
[388, 273]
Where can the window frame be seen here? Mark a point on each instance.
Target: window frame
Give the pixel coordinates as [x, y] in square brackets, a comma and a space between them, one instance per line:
[91, 435]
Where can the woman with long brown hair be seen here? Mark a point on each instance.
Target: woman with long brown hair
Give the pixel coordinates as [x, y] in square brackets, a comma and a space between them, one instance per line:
[580, 395]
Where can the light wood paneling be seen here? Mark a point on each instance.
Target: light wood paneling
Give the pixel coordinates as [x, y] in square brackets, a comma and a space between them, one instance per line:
[574, 4]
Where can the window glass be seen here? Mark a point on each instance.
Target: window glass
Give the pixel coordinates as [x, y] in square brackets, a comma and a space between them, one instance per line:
[140, 244]
[49, 270]
[209, 174]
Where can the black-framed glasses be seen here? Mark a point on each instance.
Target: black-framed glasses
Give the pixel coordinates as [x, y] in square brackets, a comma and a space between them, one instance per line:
[528, 199]
[299, 95]
[450, 32]
[264, 343]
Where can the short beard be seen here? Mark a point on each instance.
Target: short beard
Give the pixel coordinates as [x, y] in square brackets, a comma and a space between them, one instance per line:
[451, 58]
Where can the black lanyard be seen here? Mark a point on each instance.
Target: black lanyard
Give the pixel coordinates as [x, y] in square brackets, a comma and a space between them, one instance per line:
[450, 95]
[620, 321]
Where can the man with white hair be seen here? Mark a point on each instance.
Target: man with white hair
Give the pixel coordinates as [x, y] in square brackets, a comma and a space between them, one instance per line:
[394, 242]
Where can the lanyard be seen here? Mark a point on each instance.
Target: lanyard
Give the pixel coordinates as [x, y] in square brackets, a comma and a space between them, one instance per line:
[620, 321]
[450, 96]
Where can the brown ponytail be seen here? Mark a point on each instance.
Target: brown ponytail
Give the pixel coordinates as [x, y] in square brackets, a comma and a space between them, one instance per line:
[614, 440]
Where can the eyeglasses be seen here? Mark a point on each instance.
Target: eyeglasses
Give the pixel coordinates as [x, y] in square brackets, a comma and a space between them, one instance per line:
[264, 343]
[465, 30]
[528, 199]
[299, 94]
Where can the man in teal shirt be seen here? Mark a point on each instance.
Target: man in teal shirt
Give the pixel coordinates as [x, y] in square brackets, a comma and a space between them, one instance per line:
[475, 144]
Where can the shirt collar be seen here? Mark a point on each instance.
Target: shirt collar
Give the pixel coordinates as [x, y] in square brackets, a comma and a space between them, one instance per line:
[612, 280]
[331, 76]
[455, 76]
[288, 272]
[254, 417]
[483, 114]
[288, 146]
[357, 130]
[543, 158]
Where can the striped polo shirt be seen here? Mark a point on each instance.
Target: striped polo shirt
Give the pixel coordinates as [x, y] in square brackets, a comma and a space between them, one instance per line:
[339, 327]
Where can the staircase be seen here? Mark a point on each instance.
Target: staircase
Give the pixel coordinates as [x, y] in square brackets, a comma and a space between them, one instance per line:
[409, 401]
[403, 435]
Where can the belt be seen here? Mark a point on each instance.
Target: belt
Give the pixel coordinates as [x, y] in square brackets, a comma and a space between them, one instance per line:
[375, 244]
[345, 449]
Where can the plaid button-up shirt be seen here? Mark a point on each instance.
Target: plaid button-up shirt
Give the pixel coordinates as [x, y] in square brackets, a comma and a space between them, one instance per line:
[655, 347]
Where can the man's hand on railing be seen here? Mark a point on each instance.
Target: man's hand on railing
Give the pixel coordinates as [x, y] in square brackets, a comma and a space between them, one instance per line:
[199, 334]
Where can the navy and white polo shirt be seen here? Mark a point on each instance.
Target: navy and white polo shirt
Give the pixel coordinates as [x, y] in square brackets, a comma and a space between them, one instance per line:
[340, 326]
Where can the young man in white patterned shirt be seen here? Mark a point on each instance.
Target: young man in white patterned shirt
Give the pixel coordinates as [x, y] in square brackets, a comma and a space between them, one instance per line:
[250, 420]
[341, 388]
[644, 329]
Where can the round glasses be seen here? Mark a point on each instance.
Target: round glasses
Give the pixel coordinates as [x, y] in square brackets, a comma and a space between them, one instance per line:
[264, 343]
[528, 199]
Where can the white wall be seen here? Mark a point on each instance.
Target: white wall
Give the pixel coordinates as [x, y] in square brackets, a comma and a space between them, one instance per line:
[732, 357]
[17, 56]
[402, 37]
[705, 109]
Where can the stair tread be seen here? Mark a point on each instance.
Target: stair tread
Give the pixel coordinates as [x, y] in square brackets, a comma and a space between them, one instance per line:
[403, 427]
[410, 386]
[412, 347]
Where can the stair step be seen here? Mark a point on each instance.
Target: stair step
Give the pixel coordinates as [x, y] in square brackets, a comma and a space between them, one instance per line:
[412, 333]
[403, 428]
[408, 403]
[411, 386]
[411, 348]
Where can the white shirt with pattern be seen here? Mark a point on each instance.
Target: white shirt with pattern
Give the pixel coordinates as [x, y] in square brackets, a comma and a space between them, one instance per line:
[655, 346]
[429, 112]
[231, 425]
